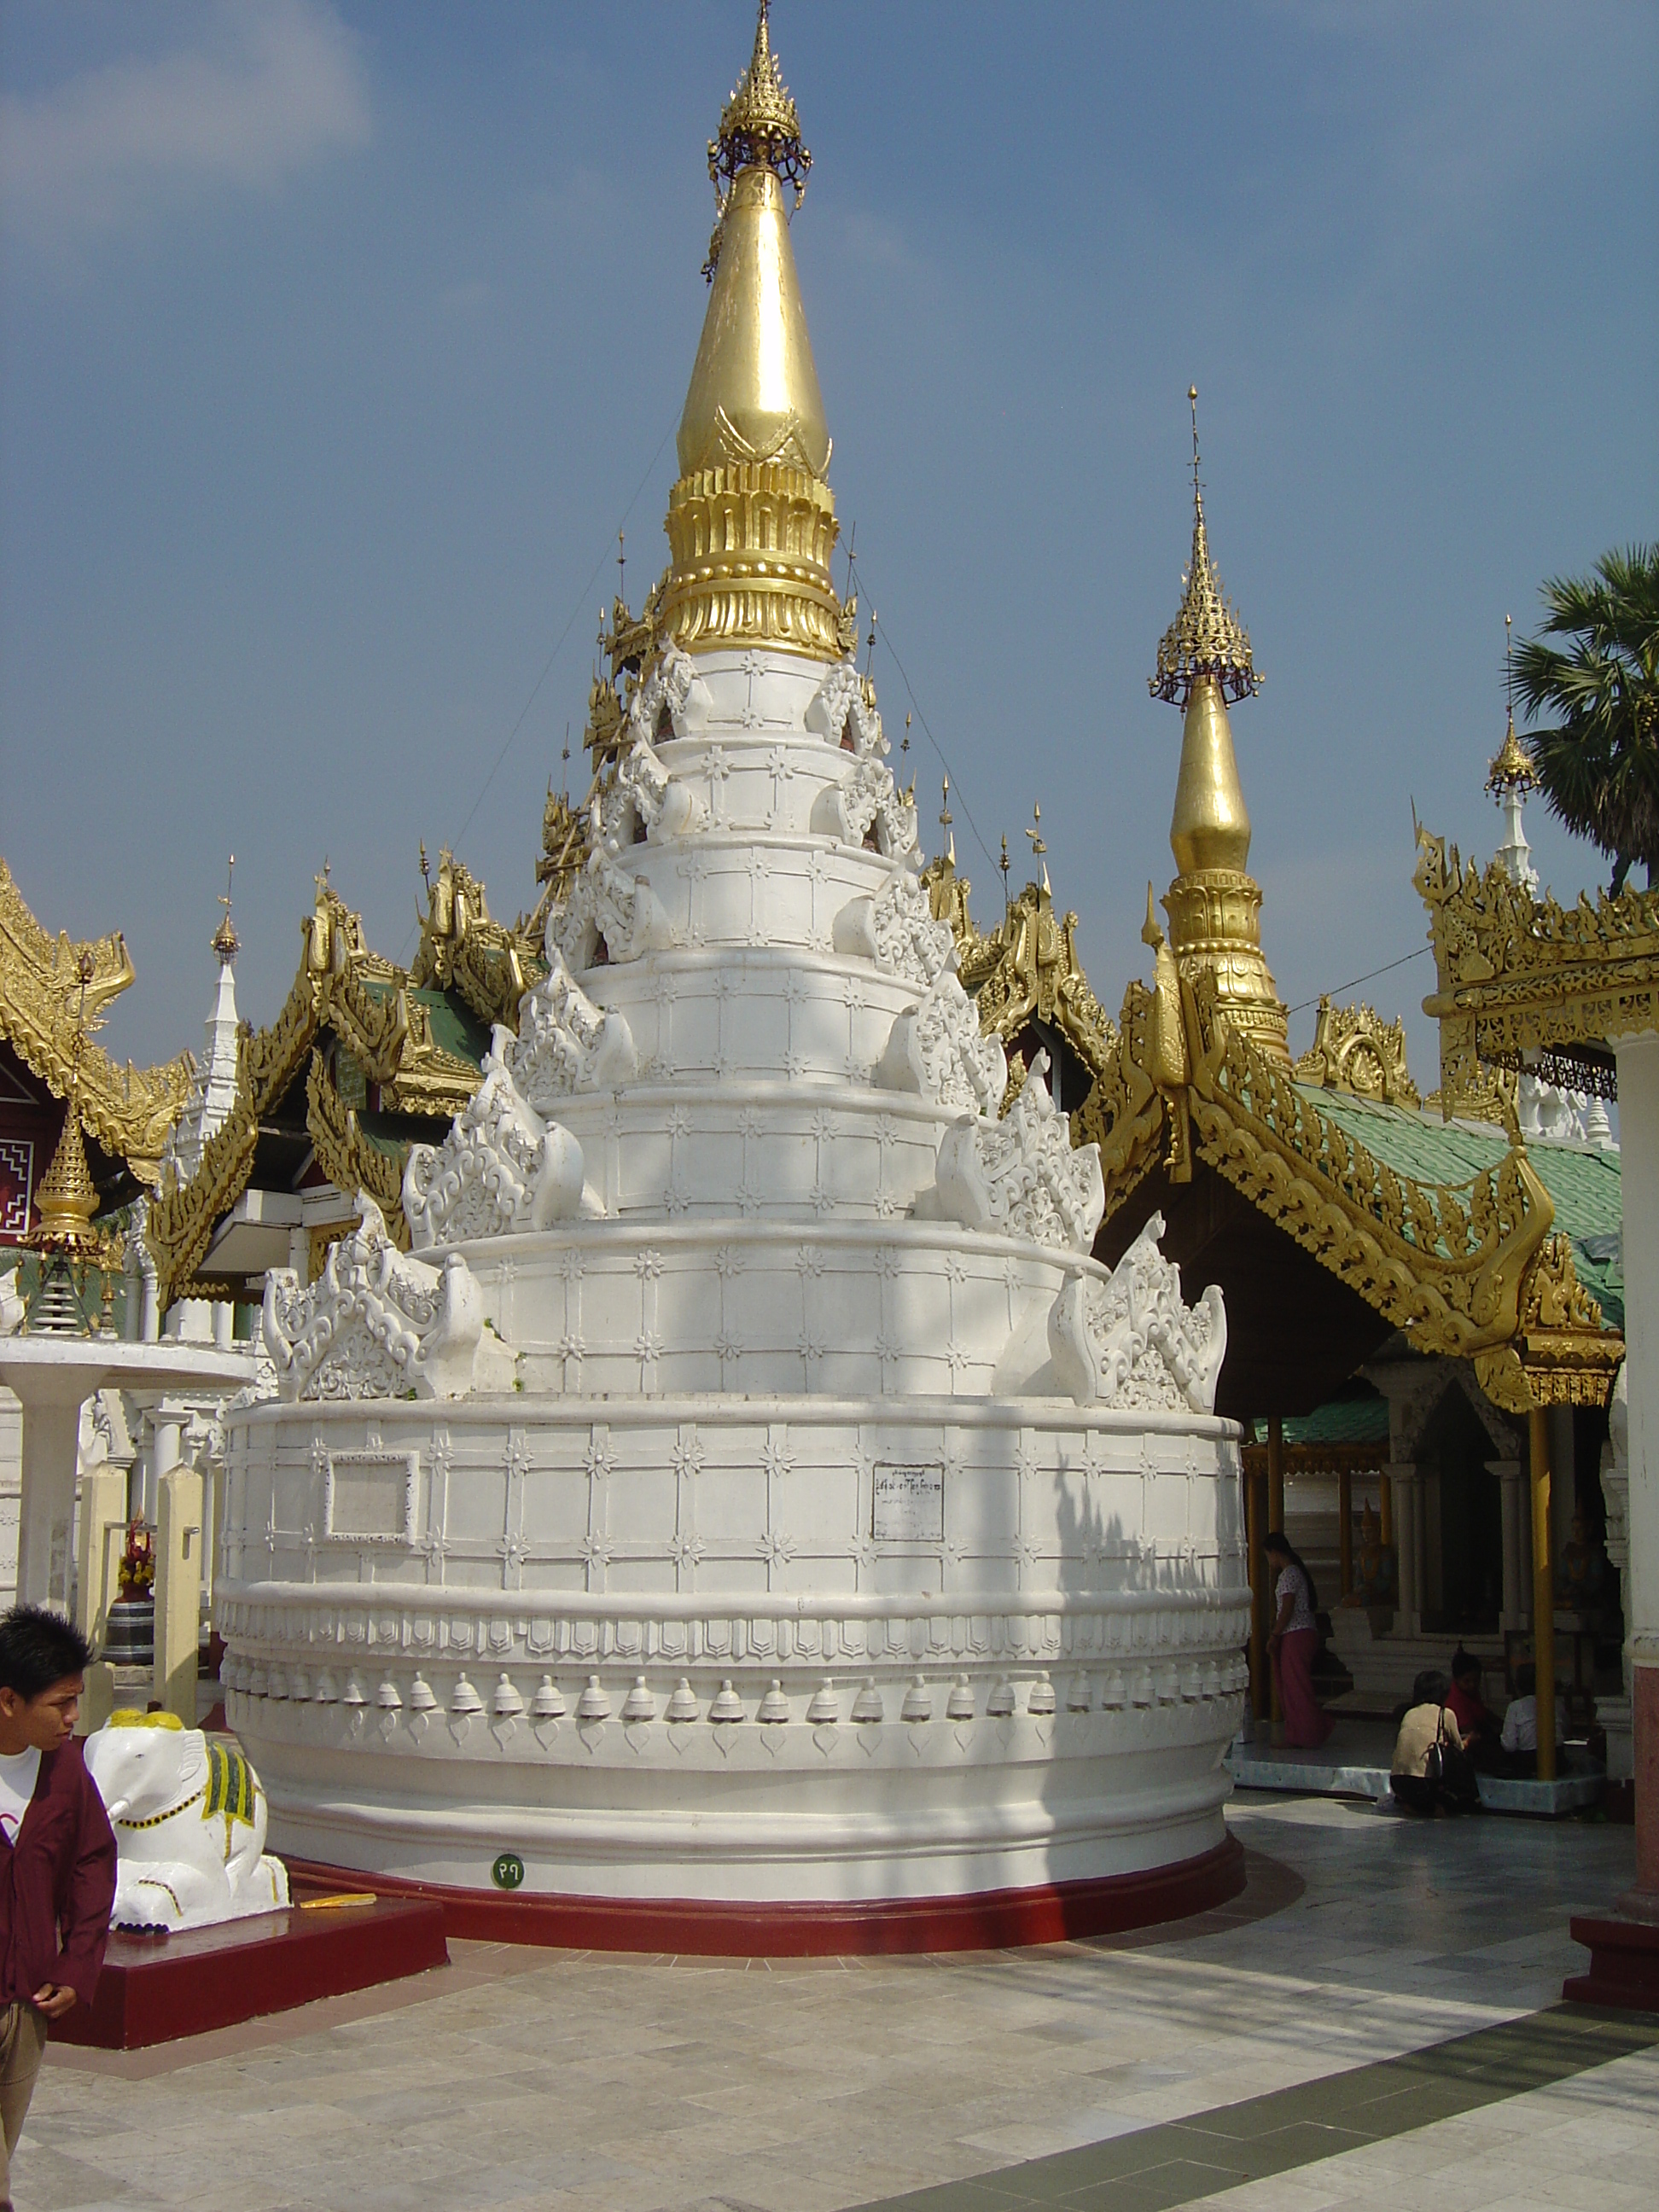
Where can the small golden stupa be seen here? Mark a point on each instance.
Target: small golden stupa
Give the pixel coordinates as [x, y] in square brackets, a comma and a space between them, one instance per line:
[1214, 904]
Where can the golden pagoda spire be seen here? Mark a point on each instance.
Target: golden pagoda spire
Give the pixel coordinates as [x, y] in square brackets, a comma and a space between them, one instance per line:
[1512, 767]
[751, 523]
[66, 1198]
[1214, 906]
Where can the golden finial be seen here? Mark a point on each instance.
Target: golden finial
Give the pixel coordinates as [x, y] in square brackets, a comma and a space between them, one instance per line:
[66, 1196]
[1004, 865]
[1150, 932]
[1038, 848]
[759, 127]
[224, 940]
[1512, 767]
[1206, 638]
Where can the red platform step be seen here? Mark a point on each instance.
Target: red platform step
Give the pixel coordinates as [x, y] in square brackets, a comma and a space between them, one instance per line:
[1623, 1967]
[155, 1989]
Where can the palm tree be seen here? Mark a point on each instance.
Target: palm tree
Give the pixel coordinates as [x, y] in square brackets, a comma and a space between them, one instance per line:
[1599, 765]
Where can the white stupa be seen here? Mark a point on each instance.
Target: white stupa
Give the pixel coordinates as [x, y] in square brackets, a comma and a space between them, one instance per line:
[751, 1519]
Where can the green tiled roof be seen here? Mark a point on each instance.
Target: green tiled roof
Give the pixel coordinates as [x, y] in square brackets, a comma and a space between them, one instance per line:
[1341, 1421]
[455, 1027]
[1583, 1183]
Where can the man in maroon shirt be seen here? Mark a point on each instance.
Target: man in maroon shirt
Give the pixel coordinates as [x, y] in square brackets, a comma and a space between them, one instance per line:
[57, 1855]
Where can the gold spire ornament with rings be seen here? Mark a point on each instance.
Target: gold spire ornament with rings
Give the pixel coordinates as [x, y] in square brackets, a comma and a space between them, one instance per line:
[751, 522]
[1512, 767]
[1214, 904]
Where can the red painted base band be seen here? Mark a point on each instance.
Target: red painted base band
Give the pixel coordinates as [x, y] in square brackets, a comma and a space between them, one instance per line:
[1623, 1967]
[996, 1920]
[155, 1988]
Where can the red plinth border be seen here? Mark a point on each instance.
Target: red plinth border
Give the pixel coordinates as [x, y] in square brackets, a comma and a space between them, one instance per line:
[1623, 1967]
[155, 1988]
[995, 1919]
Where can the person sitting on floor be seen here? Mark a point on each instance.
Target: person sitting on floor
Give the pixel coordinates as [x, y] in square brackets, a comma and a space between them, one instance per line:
[1431, 1770]
[1519, 1740]
[1292, 1644]
[1477, 1723]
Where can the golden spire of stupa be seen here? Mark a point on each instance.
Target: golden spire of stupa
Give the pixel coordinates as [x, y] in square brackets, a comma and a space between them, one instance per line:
[66, 1197]
[1206, 638]
[1512, 768]
[1214, 906]
[751, 523]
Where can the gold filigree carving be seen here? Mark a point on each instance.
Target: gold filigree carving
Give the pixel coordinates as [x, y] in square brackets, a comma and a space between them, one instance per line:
[128, 1112]
[1029, 969]
[363, 1000]
[1517, 974]
[347, 1157]
[751, 542]
[1562, 1354]
[1354, 1050]
[487, 963]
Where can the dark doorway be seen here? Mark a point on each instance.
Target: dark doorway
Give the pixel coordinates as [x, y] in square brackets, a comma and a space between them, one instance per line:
[1457, 1446]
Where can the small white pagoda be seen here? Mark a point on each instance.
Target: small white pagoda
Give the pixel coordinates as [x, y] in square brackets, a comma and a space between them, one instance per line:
[750, 1519]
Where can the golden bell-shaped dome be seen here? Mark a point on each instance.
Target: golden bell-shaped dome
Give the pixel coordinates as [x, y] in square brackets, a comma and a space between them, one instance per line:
[1211, 826]
[754, 393]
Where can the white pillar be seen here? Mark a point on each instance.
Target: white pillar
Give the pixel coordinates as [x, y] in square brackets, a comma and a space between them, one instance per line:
[52, 1435]
[1638, 1138]
[178, 1591]
[166, 1422]
[1507, 1471]
[103, 1509]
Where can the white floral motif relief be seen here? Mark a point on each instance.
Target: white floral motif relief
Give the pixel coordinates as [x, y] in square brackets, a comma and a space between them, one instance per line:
[1131, 1341]
[673, 701]
[502, 1168]
[936, 1048]
[866, 806]
[897, 931]
[377, 1325]
[565, 1042]
[1023, 1176]
[606, 902]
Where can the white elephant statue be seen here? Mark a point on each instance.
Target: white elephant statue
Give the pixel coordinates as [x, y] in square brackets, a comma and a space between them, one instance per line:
[190, 1819]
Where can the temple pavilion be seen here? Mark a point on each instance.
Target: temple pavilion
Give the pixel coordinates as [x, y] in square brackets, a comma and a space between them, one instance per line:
[1425, 1294]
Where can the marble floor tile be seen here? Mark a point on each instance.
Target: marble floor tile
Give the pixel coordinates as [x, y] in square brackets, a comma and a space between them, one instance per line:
[519, 2078]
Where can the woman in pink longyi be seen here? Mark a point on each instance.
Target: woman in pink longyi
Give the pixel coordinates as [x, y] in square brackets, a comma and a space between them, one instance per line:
[1292, 1644]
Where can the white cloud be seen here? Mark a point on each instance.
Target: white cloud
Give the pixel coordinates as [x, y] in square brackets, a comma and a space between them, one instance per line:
[263, 91]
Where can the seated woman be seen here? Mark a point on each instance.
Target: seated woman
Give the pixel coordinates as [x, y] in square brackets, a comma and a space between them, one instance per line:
[1477, 1723]
[1431, 1771]
[1292, 1644]
[1519, 1740]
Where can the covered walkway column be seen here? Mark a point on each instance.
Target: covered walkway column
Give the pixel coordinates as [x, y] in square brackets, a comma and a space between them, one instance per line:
[1514, 1602]
[1402, 1478]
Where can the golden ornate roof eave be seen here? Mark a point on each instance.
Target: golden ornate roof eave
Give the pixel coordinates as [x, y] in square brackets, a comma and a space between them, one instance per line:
[1516, 973]
[1028, 969]
[1355, 1050]
[1454, 1266]
[128, 1112]
[386, 1034]
[488, 964]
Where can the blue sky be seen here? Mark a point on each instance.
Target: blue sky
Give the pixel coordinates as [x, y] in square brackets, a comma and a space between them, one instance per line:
[337, 342]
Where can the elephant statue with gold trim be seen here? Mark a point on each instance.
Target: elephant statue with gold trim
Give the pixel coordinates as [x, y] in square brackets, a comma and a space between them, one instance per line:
[190, 1819]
